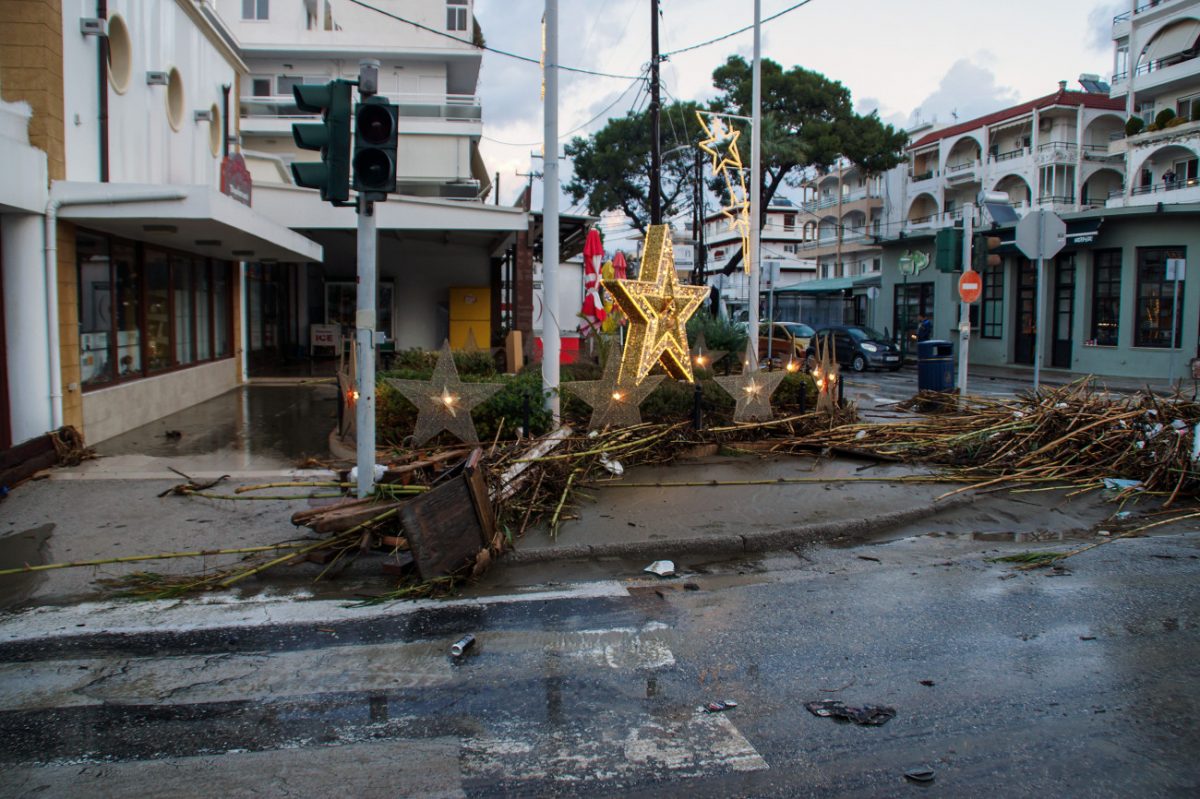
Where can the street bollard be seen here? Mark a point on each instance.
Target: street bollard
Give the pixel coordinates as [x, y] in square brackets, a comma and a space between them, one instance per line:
[526, 410]
[697, 408]
[841, 391]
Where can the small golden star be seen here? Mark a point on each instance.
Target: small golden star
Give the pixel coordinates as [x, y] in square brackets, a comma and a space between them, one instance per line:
[440, 399]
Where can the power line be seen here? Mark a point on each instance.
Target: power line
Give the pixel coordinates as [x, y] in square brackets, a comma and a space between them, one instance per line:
[731, 34]
[495, 50]
[577, 128]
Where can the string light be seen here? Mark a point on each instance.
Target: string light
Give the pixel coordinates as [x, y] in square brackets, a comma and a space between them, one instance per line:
[721, 145]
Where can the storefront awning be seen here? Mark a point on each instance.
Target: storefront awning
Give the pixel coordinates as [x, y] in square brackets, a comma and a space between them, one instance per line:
[195, 219]
[830, 284]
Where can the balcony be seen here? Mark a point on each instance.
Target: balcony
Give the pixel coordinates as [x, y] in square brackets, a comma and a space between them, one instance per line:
[1009, 155]
[962, 173]
[1057, 152]
[275, 113]
[1177, 191]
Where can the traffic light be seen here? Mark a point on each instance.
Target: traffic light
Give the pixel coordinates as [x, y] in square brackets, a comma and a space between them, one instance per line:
[331, 136]
[375, 146]
[947, 249]
[982, 257]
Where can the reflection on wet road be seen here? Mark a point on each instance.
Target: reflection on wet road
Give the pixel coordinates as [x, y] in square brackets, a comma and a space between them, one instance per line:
[1078, 682]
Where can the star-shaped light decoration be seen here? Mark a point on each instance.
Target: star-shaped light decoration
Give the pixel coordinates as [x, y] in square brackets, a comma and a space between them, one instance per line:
[721, 145]
[614, 403]
[825, 374]
[751, 389]
[444, 402]
[658, 307]
[347, 380]
[702, 356]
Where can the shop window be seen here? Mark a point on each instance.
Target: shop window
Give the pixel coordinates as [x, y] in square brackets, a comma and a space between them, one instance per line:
[1158, 318]
[1106, 297]
[456, 15]
[148, 311]
[992, 305]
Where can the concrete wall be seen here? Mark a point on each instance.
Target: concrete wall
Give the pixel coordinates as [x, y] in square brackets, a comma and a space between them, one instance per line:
[111, 411]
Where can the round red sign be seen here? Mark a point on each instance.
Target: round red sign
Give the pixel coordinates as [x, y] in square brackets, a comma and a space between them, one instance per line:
[970, 286]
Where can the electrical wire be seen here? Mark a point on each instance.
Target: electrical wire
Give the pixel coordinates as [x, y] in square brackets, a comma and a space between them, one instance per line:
[731, 34]
[577, 128]
[495, 50]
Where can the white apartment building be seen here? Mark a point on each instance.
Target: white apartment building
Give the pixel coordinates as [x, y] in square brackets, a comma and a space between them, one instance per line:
[437, 237]
[120, 254]
[782, 239]
[1163, 76]
[843, 209]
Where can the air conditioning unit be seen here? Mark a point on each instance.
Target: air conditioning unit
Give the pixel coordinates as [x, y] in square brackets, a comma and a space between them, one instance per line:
[1044, 125]
[93, 26]
[157, 79]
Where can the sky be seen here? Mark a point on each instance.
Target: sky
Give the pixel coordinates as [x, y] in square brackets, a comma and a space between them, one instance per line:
[911, 61]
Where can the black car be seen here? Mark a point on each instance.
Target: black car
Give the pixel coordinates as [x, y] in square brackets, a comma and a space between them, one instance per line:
[857, 347]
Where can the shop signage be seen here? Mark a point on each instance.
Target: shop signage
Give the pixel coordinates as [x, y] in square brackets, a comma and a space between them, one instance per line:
[235, 178]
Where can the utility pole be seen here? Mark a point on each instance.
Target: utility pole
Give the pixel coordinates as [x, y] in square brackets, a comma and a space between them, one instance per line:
[964, 310]
[655, 149]
[755, 180]
[364, 317]
[551, 344]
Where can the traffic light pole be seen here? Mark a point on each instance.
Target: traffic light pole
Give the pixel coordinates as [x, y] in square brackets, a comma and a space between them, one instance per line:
[964, 308]
[364, 318]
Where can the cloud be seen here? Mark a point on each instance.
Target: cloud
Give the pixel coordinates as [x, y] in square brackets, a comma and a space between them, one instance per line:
[1100, 25]
[868, 105]
[967, 90]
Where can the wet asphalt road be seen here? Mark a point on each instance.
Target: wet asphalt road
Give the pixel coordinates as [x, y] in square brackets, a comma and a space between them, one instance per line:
[1081, 683]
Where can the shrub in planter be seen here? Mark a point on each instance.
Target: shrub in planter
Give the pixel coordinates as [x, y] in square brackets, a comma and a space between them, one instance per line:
[1164, 117]
[1134, 126]
[719, 334]
[1176, 122]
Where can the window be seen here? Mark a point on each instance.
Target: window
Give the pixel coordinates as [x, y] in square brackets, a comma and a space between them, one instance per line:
[1188, 107]
[1158, 322]
[120, 54]
[911, 301]
[789, 221]
[256, 9]
[456, 15]
[175, 99]
[1106, 297]
[261, 87]
[992, 304]
[147, 311]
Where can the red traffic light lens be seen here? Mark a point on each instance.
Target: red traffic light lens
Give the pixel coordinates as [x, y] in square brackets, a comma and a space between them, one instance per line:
[374, 124]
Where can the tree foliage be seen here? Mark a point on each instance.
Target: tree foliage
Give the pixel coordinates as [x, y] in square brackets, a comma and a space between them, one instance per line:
[612, 167]
[808, 121]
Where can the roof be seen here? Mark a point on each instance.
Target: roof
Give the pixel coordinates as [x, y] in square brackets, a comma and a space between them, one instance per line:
[1061, 97]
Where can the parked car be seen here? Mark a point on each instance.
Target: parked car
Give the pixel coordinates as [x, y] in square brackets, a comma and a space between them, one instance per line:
[788, 341]
[857, 347]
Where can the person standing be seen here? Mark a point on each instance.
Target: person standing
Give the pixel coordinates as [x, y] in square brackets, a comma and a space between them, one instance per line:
[924, 327]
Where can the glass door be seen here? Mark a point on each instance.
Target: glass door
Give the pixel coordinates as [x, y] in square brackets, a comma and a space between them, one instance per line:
[1063, 310]
[1025, 340]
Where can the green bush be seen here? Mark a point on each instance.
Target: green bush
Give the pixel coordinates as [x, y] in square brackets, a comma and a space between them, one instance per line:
[480, 363]
[1134, 126]
[719, 334]
[1164, 117]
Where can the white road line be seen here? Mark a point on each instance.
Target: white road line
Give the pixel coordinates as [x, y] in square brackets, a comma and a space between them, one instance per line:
[228, 611]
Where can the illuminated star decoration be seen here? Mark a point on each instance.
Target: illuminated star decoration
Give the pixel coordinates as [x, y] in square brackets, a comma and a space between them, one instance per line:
[613, 402]
[751, 389]
[658, 307]
[721, 144]
[825, 374]
[444, 402]
[702, 356]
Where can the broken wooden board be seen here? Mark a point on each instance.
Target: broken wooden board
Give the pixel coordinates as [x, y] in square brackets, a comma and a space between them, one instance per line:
[448, 525]
[26, 459]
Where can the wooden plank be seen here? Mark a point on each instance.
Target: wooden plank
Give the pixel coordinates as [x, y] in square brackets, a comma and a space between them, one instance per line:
[477, 485]
[26, 451]
[443, 529]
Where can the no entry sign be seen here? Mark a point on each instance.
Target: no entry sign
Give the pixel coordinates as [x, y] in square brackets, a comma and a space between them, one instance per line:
[970, 286]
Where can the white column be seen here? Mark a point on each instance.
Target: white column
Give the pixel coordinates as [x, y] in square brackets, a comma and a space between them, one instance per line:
[28, 353]
[756, 178]
[551, 331]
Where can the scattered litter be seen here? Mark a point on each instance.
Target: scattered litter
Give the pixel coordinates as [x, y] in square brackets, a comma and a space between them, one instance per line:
[1179, 424]
[1087, 638]
[1061, 405]
[868, 557]
[867, 715]
[379, 471]
[1196, 443]
[462, 645]
[1105, 533]
[174, 435]
[691, 587]
[1119, 484]
[861, 434]
[928, 683]
[919, 774]
[612, 465]
[1124, 514]
[717, 707]
[663, 568]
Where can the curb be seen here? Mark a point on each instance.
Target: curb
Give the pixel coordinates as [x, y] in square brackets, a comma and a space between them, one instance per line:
[735, 543]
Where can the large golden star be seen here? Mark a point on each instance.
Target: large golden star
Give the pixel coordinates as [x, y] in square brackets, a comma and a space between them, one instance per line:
[658, 307]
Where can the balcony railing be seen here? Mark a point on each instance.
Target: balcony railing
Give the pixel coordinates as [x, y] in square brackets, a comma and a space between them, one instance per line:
[1009, 155]
[436, 106]
[1163, 63]
[1143, 7]
[1173, 185]
[950, 170]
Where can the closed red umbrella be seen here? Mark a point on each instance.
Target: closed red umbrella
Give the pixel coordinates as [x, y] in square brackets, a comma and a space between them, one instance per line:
[593, 306]
[619, 266]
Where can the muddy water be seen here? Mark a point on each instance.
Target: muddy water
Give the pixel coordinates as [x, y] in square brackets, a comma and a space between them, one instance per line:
[26, 548]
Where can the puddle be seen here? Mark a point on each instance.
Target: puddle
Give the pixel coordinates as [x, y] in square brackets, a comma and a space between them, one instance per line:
[27, 548]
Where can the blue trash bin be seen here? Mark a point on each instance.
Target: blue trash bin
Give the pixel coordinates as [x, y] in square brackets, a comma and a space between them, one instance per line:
[935, 365]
